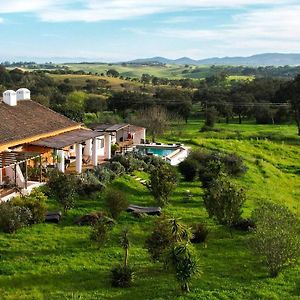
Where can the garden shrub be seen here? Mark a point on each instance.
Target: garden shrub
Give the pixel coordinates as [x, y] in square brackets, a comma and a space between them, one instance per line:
[13, 217]
[63, 188]
[170, 243]
[244, 225]
[152, 162]
[234, 164]
[105, 175]
[159, 240]
[165, 233]
[116, 202]
[212, 164]
[276, 237]
[35, 202]
[183, 263]
[224, 200]
[163, 181]
[129, 162]
[100, 230]
[210, 171]
[122, 276]
[189, 168]
[200, 233]
[88, 183]
[117, 168]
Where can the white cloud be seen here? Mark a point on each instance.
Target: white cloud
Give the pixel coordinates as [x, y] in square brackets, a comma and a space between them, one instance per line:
[274, 29]
[99, 10]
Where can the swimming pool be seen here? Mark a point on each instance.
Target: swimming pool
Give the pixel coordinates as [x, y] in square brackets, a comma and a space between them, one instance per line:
[156, 150]
[171, 154]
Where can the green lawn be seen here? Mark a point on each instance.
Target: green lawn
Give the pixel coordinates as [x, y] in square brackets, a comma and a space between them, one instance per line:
[59, 262]
[163, 71]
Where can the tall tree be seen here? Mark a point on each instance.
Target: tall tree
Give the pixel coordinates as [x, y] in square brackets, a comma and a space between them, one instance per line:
[291, 92]
[155, 119]
[276, 238]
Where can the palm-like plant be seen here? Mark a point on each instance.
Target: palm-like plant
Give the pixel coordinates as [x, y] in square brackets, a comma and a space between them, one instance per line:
[124, 241]
[123, 276]
[181, 260]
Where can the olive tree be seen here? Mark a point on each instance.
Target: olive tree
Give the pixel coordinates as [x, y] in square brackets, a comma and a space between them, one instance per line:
[63, 188]
[276, 238]
[155, 119]
[163, 180]
[224, 200]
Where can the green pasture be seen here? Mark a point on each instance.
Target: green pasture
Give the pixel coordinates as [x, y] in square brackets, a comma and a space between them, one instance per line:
[50, 261]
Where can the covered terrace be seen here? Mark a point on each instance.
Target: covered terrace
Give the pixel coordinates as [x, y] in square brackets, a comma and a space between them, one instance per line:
[14, 173]
[83, 146]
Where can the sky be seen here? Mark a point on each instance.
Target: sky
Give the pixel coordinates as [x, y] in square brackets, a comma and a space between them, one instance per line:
[121, 30]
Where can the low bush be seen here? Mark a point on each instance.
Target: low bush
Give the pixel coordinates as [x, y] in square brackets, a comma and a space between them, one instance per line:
[152, 162]
[159, 240]
[100, 231]
[122, 276]
[224, 201]
[210, 171]
[117, 168]
[234, 165]
[63, 188]
[200, 233]
[276, 236]
[189, 168]
[244, 225]
[163, 181]
[88, 183]
[104, 175]
[166, 232]
[212, 164]
[130, 162]
[13, 217]
[36, 203]
[116, 202]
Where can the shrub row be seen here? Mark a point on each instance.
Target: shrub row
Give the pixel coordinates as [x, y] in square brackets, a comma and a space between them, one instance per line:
[22, 211]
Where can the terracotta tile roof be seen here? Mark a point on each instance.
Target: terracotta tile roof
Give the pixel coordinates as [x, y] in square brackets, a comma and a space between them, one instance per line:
[67, 138]
[108, 127]
[28, 119]
[115, 127]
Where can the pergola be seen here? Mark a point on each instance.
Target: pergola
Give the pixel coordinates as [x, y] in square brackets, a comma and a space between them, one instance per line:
[10, 159]
[77, 137]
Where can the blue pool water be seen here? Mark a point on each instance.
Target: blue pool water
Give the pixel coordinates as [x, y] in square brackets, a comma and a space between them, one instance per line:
[156, 151]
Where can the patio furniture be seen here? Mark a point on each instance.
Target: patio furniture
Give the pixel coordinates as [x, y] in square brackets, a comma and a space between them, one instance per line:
[53, 217]
[153, 211]
[93, 217]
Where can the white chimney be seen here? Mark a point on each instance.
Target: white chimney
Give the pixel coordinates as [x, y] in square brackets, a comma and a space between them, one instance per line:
[10, 97]
[23, 94]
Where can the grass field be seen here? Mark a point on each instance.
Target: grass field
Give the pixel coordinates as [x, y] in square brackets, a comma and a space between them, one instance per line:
[169, 71]
[59, 262]
[163, 71]
[79, 81]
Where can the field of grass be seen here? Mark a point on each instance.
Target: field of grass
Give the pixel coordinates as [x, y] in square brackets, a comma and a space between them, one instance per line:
[79, 81]
[59, 262]
[169, 71]
[163, 71]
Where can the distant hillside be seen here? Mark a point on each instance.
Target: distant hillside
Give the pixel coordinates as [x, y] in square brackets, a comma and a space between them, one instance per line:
[266, 59]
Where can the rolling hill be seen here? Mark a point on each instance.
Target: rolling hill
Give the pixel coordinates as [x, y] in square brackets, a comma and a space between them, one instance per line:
[266, 59]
